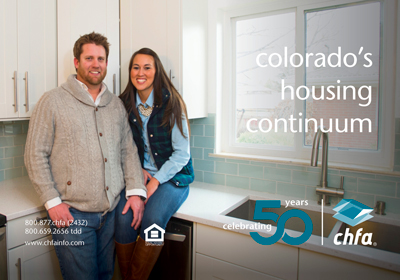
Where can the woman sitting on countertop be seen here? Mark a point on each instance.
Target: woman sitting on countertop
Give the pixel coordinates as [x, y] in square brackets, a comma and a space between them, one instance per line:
[160, 128]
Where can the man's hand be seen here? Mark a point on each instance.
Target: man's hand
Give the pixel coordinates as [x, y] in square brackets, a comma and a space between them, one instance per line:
[137, 205]
[60, 215]
[152, 186]
[146, 176]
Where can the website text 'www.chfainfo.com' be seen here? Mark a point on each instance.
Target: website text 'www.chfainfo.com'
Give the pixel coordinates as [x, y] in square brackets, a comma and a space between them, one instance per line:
[54, 243]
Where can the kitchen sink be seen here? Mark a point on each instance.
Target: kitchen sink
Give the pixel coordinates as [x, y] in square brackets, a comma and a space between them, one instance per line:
[245, 211]
[384, 236]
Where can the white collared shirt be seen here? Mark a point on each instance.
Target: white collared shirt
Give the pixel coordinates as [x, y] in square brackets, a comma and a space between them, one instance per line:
[102, 90]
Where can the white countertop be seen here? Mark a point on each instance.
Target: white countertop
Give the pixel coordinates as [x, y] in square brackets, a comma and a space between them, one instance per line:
[207, 204]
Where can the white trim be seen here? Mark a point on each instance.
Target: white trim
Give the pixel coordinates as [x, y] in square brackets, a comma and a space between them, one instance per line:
[380, 160]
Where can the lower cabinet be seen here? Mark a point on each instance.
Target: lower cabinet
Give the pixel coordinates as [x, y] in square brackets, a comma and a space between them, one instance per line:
[210, 268]
[239, 251]
[37, 260]
[223, 254]
[315, 266]
[33, 262]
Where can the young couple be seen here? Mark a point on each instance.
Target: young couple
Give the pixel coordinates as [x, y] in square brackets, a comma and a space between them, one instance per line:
[109, 168]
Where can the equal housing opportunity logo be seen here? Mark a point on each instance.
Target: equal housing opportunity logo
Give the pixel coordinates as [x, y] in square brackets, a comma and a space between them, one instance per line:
[352, 212]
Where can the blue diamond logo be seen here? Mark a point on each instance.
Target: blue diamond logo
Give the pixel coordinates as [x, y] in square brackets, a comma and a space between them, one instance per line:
[352, 212]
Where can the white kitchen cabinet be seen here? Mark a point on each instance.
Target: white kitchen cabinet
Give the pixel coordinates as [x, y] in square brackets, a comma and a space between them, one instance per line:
[210, 268]
[274, 261]
[34, 261]
[177, 31]
[28, 55]
[315, 266]
[77, 18]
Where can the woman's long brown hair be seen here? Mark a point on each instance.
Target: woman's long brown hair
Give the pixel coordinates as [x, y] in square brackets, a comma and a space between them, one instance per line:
[175, 107]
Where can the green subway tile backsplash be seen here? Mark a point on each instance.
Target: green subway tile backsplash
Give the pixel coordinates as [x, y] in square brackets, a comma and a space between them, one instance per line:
[14, 151]
[291, 190]
[204, 142]
[263, 185]
[289, 179]
[209, 130]
[366, 199]
[282, 175]
[237, 182]
[227, 168]
[251, 171]
[377, 187]
[214, 178]
[196, 152]
[198, 176]
[197, 129]
[204, 165]
[12, 145]
[13, 173]
[392, 204]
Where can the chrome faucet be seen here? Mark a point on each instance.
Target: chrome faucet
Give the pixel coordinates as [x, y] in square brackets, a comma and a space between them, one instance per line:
[323, 190]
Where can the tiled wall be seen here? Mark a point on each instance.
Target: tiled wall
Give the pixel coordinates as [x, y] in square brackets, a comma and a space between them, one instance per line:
[288, 179]
[12, 146]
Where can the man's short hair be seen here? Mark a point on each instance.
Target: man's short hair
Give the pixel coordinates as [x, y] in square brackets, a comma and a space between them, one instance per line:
[91, 38]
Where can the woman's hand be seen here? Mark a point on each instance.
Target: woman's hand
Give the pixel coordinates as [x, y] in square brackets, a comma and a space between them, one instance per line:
[146, 176]
[152, 186]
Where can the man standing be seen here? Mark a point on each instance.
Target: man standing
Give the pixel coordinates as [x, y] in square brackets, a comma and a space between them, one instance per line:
[79, 156]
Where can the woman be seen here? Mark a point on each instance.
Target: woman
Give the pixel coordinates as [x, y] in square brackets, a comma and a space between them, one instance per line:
[158, 118]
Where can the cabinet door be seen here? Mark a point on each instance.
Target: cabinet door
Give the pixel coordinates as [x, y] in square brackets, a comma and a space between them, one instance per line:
[143, 24]
[8, 57]
[210, 268]
[37, 52]
[76, 18]
[315, 266]
[34, 262]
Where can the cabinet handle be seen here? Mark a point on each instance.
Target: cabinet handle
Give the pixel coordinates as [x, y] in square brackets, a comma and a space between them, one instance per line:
[174, 237]
[114, 90]
[170, 75]
[15, 92]
[19, 267]
[26, 92]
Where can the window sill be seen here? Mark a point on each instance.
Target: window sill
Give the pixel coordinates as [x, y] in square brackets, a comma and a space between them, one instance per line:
[299, 162]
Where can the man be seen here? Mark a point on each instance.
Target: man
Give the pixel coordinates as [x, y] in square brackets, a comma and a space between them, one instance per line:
[79, 155]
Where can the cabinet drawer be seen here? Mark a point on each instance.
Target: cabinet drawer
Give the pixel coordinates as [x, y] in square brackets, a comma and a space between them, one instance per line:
[277, 260]
[26, 228]
[210, 268]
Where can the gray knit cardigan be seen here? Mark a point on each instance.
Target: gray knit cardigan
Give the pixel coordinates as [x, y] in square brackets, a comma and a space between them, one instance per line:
[79, 152]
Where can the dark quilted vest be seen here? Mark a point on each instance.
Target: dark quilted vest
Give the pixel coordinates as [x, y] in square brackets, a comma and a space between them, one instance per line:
[160, 142]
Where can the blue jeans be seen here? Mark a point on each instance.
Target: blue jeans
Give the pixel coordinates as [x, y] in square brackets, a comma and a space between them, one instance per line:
[95, 258]
[159, 209]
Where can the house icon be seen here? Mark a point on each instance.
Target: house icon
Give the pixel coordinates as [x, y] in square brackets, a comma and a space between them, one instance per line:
[154, 233]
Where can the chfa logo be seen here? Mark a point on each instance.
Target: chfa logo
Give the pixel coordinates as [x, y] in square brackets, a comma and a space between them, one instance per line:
[154, 233]
[280, 227]
[352, 213]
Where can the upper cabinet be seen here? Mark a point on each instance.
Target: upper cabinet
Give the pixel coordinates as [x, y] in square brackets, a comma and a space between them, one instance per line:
[76, 18]
[28, 55]
[177, 31]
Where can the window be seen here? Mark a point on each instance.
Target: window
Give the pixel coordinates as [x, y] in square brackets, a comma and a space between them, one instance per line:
[304, 64]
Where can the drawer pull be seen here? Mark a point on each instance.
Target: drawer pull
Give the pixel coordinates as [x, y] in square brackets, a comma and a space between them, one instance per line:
[174, 237]
[19, 267]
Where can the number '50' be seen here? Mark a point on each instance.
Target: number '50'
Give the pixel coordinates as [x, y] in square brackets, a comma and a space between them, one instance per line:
[260, 215]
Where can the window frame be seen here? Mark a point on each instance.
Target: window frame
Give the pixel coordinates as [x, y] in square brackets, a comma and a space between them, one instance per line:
[382, 159]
